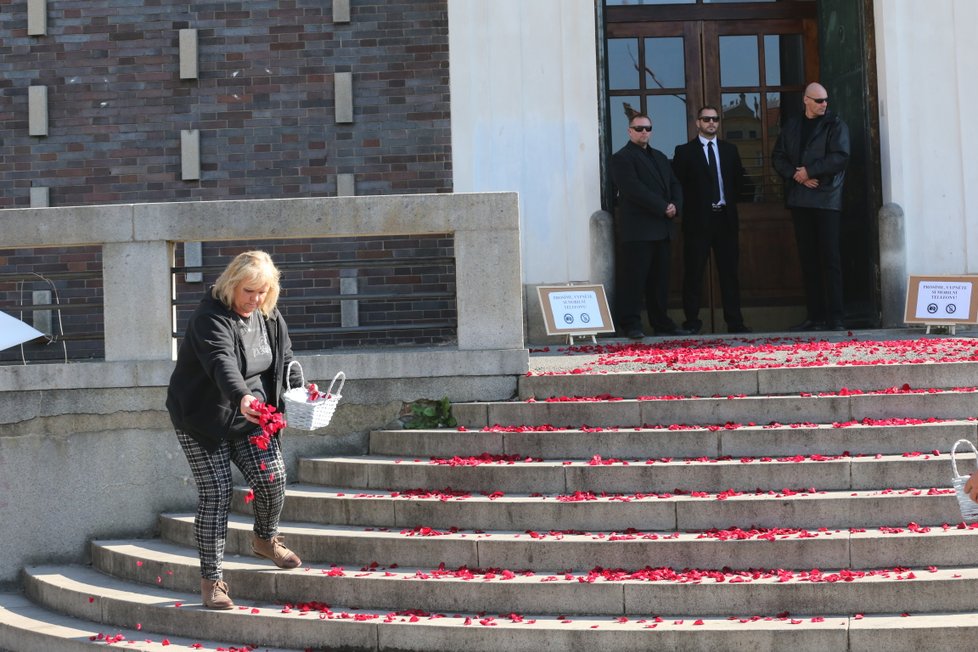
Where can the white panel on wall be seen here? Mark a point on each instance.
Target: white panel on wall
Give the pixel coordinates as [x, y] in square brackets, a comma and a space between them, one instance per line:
[188, 54]
[37, 110]
[40, 197]
[343, 96]
[346, 185]
[190, 154]
[37, 17]
[341, 11]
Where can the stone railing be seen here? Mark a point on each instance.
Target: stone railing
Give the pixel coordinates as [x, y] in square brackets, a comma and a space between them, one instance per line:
[137, 252]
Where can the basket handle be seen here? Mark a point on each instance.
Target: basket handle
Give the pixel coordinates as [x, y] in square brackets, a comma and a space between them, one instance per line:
[342, 378]
[954, 450]
[288, 375]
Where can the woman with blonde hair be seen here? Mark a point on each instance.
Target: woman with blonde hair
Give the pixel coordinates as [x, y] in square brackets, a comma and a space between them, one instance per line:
[235, 352]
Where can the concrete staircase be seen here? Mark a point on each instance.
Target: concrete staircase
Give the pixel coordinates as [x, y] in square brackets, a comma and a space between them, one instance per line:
[743, 510]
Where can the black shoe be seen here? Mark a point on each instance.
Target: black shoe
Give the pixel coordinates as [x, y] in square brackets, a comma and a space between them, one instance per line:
[740, 328]
[835, 325]
[672, 331]
[808, 325]
[635, 334]
[694, 327]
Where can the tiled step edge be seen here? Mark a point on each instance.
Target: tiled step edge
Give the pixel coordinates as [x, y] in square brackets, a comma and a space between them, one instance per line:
[706, 440]
[445, 508]
[895, 590]
[752, 381]
[735, 409]
[325, 545]
[856, 633]
[87, 594]
[27, 627]
[828, 473]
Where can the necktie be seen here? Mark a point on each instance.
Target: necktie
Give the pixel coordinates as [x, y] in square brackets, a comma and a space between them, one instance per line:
[714, 173]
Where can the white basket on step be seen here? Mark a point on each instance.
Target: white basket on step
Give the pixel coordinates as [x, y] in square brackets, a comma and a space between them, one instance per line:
[969, 508]
[304, 414]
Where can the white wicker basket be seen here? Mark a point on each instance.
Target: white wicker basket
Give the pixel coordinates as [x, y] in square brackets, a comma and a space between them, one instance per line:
[969, 508]
[304, 414]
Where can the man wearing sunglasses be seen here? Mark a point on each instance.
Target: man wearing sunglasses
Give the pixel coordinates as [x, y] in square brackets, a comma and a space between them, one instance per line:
[711, 174]
[649, 200]
[811, 155]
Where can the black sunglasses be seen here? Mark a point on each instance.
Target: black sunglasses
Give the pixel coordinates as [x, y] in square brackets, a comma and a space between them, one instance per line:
[818, 100]
[642, 128]
[710, 118]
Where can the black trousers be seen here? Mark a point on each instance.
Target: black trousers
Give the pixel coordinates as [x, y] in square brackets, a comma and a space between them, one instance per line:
[645, 271]
[719, 235]
[817, 235]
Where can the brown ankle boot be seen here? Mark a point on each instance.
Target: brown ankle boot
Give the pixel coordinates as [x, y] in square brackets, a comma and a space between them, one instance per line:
[275, 550]
[214, 594]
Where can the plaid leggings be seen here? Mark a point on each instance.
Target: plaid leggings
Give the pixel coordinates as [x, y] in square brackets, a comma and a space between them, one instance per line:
[265, 472]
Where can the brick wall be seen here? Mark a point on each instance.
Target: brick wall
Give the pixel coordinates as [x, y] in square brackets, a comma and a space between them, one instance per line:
[263, 102]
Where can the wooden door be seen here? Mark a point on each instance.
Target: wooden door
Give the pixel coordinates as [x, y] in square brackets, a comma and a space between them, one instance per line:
[753, 63]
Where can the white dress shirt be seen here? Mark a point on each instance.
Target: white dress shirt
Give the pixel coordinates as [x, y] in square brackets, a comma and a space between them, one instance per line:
[716, 150]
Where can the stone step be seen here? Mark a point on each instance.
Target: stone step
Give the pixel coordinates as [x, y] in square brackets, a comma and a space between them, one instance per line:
[712, 440]
[762, 410]
[84, 593]
[646, 511]
[627, 476]
[708, 592]
[24, 626]
[779, 380]
[557, 550]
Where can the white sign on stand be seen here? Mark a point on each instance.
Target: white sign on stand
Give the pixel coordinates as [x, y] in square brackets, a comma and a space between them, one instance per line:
[575, 310]
[942, 301]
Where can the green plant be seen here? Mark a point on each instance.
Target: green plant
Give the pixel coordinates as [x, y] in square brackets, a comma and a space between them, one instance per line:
[427, 414]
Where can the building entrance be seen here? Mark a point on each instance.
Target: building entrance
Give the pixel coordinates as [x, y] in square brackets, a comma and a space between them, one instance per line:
[752, 61]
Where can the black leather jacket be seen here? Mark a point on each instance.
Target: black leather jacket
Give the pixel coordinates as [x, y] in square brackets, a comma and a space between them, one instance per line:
[825, 157]
[206, 386]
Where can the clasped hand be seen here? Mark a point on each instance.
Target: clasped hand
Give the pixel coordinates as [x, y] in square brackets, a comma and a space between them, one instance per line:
[801, 176]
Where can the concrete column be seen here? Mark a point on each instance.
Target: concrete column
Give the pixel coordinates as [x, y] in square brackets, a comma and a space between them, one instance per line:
[489, 289]
[137, 304]
[893, 265]
[603, 252]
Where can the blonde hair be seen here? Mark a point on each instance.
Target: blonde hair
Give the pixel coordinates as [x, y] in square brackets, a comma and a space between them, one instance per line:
[249, 267]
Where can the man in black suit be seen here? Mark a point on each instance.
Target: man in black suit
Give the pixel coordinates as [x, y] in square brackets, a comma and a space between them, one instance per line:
[649, 200]
[711, 175]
